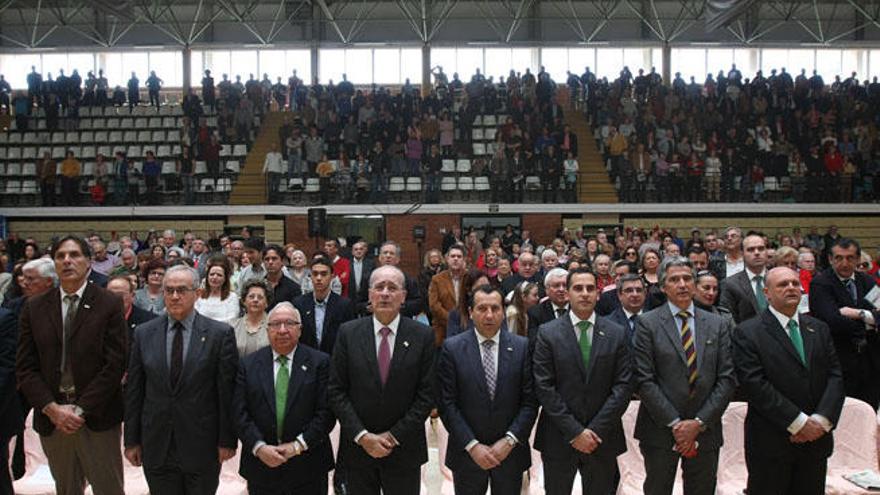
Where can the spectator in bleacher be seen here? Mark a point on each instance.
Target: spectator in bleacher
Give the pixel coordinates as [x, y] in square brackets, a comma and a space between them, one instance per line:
[151, 170]
[21, 106]
[46, 172]
[35, 85]
[551, 170]
[101, 87]
[118, 99]
[325, 171]
[5, 91]
[71, 169]
[314, 149]
[186, 172]
[211, 155]
[294, 146]
[134, 96]
[120, 179]
[571, 168]
[209, 95]
[273, 167]
[244, 120]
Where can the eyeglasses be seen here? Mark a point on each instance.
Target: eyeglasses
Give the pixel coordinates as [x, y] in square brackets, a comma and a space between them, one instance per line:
[275, 325]
[180, 291]
[161, 274]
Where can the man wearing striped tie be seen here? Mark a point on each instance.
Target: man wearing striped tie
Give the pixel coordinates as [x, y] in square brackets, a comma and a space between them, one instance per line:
[684, 376]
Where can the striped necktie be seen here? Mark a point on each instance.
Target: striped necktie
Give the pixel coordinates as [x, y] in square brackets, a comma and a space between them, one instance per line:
[690, 351]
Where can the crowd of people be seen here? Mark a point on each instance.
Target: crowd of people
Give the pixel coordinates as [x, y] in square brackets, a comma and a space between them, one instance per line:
[574, 327]
[731, 138]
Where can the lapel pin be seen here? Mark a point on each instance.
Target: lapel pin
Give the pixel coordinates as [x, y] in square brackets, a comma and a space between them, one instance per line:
[87, 306]
[708, 342]
[405, 343]
[203, 339]
[601, 333]
[304, 368]
[810, 329]
[510, 349]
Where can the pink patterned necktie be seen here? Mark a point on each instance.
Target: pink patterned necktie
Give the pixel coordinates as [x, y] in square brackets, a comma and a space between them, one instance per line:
[384, 355]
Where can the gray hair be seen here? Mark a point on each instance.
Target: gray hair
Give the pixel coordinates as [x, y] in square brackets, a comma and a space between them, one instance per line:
[45, 267]
[398, 273]
[629, 277]
[196, 280]
[674, 262]
[283, 305]
[169, 232]
[547, 253]
[391, 243]
[555, 273]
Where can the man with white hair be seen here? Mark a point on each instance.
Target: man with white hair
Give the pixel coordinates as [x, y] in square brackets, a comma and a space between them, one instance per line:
[286, 444]
[38, 276]
[554, 306]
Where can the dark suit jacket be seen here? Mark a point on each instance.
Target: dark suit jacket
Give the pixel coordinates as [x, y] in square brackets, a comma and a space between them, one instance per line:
[608, 302]
[538, 315]
[413, 305]
[572, 397]
[337, 312]
[661, 377]
[779, 386]
[466, 408]
[286, 290]
[360, 295]
[97, 278]
[359, 400]
[98, 343]
[619, 317]
[137, 316]
[827, 296]
[196, 414]
[11, 417]
[307, 414]
[738, 296]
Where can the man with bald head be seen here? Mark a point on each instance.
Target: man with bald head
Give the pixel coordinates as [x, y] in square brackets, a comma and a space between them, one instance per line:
[286, 446]
[381, 389]
[528, 272]
[788, 368]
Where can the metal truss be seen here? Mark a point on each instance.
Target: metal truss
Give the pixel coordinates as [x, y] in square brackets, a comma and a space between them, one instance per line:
[426, 16]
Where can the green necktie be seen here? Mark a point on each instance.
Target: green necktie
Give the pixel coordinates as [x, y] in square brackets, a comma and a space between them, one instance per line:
[281, 381]
[759, 293]
[794, 333]
[586, 345]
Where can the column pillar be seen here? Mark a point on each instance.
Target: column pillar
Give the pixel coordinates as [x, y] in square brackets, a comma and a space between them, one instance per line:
[426, 69]
[667, 64]
[187, 69]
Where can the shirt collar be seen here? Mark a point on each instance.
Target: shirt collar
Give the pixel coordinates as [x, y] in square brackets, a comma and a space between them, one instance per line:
[628, 314]
[289, 356]
[575, 320]
[377, 325]
[752, 274]
[675, 309]
[79, 292]
[187, 321]
[496, 338]
[783, 319]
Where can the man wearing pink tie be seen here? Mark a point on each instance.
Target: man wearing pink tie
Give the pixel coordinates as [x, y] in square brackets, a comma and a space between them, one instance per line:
[381, 382]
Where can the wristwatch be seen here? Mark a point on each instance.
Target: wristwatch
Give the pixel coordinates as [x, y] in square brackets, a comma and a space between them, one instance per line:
[863, 315]
[701, 423]
[510, 441]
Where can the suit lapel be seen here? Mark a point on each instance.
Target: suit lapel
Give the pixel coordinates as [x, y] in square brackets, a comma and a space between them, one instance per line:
[505, 355]
[746, 286]
[782, 338]
[162, 336]
[703, 334]
[671, 330]
[299, 367]
[51, 305]
[194, 352]
[368, 348]
[475, 356]
[401, 347]
[310, 318]
[266, 376]
[597, 346]
[83, 308]
[570, 341]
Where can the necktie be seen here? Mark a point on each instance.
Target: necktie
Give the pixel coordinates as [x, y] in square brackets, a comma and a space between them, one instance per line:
[384, 355]
[281, 381]
[71, 301]
[759, 293]
[794, 333]
[851, 288]
[690, 351]
[489, 366]
[559, 312]
[586, 345]
[176, 354]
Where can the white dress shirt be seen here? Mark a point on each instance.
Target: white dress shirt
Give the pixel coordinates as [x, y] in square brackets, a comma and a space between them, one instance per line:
[574, 322]
[276, 367]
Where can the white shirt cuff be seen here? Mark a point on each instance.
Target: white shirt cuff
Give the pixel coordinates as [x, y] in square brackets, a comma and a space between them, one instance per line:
[823, 421]
[470, 445]
[798, 423]
[302, 441]
[357, 438]
[673, 422]
[257, 446]
[869, 318]
[512, 437]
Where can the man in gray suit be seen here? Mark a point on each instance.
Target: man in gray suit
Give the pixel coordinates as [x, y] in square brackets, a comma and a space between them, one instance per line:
[743, 293]
[582, 380]
[684, 376]
[178, 398]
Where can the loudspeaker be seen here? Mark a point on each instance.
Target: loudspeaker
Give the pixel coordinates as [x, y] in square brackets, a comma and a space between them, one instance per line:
[317, 222]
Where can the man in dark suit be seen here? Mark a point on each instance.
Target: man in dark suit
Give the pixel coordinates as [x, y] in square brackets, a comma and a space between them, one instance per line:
[322, 310]
[632, 294]
[96, 278]
[284, 289]
[38, 276]
[788, 369]
[528, 272]
[381, 384]
[608, 299]
[70, 363]
[358, 283]
[121, 285]
[280, 407]
[555, 306]
[837, 297]
[10, 408]
[684, 377]
[582, 380]
[743, 293]
[413, 305]
[178, 398]
[487, 400]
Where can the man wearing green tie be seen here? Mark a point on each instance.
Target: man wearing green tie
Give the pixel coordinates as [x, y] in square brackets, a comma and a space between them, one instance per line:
[281, 411]
[582, 380]
[743, 293]
[788, 368]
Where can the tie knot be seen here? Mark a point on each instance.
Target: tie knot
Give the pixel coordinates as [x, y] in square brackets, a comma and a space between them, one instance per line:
[584, 325]
[684, 315]
[71, 298]
[282, 359]
[488, 344]
[759, 278]
[177, 327]
[385, 331]
[792, 325]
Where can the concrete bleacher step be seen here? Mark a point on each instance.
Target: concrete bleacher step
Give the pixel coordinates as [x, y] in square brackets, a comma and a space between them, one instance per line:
[595, 184]
[251, 186]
